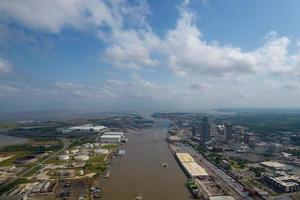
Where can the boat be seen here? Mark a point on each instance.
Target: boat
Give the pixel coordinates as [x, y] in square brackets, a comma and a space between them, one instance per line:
[138, 198]
[165, 164]
[193, 187]
[107, 174]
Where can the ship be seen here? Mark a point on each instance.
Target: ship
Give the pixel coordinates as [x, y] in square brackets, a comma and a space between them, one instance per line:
[165, 164]
[107, 174]
[138, 198]
[193, 187]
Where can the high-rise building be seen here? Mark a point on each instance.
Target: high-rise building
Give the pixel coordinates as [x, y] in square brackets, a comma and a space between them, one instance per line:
[194, 130]
[247, 137]
[228, 132]
[205, 130]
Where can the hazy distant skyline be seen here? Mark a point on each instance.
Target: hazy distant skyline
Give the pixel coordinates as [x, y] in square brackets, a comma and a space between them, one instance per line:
[121, 55]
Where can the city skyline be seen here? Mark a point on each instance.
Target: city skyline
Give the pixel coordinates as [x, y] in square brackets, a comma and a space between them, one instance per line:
[148, 55]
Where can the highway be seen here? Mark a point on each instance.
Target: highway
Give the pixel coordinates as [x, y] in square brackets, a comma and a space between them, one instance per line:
[231, 185]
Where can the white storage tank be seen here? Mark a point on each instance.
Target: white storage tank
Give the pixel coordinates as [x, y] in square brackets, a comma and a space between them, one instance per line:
[101, 151]
[64, 157]
[82, 157]
[73, 151]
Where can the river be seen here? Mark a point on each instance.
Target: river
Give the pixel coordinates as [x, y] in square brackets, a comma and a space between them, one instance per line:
[6, 140]
[140, 171]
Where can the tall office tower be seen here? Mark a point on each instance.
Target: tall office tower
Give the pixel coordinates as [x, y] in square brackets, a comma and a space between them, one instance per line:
[195, 129]
[247, 137]
[228, 132]
[205, 130]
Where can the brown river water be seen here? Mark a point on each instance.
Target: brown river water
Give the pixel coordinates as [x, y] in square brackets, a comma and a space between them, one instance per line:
[140, 171]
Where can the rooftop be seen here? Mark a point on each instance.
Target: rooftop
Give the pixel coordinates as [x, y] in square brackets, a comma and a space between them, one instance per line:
[221, 198]
[273, 164]
[185, 157]
[194, 169]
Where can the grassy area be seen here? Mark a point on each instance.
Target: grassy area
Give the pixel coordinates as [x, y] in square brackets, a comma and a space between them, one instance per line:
[13, 185]
[96, 164]
[33, 171]
[109, 146]
[10, 161]
[296, 196]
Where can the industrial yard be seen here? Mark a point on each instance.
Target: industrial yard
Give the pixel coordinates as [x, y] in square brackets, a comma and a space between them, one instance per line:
[64, 168]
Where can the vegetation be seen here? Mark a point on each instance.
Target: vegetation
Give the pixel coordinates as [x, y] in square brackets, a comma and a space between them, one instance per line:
[13, 185]
[109, 146]
[265, 122]
[30, 147]
[257, 170]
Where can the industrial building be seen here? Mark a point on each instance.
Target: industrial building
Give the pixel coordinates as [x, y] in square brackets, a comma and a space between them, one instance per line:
[194, 170]
[281, 182]
[173, 139]
[274, 165]
[190, 167]
[88, 128]
[110, 138]
[185, 157]
[114, 133]
[221, 198]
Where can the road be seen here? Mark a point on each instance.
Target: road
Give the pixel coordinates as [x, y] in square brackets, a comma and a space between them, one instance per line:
[231, 185]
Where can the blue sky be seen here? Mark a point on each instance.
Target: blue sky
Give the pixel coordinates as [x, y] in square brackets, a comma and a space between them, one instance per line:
[120, 55]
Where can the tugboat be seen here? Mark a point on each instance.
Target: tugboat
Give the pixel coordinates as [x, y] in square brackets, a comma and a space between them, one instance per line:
[193, 187]
[165, 164]
[107, 174]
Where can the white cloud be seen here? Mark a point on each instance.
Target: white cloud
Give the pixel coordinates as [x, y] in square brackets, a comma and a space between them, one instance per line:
[5, 66]
[121, 24]
[56, 14]
[189, 55]
[213, 74]
[132, 49]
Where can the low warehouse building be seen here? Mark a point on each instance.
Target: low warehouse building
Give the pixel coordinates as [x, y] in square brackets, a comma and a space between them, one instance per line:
[114, 133]
[184, 157]
[87, 128]
[110, 138]
[190, 167]
[274, 165]
[194, 170]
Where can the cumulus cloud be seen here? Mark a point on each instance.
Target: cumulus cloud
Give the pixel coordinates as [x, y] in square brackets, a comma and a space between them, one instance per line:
[130, 43]
[54, 15]
[120, 24]
[5, 66]
[189, 54]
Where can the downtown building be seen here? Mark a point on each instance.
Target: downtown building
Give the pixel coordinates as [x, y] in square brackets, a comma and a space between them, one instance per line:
[205, 130]
[228, 133]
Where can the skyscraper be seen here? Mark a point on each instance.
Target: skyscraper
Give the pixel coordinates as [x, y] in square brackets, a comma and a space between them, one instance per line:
[205, 130]
[228, 132]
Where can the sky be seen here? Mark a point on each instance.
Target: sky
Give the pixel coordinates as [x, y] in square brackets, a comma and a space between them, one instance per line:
[139, 55]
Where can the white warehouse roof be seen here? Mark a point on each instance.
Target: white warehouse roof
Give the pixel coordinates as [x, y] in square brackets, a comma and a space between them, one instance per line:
[194, 169]
[110, 138]
[87, 127]
[114, 133]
